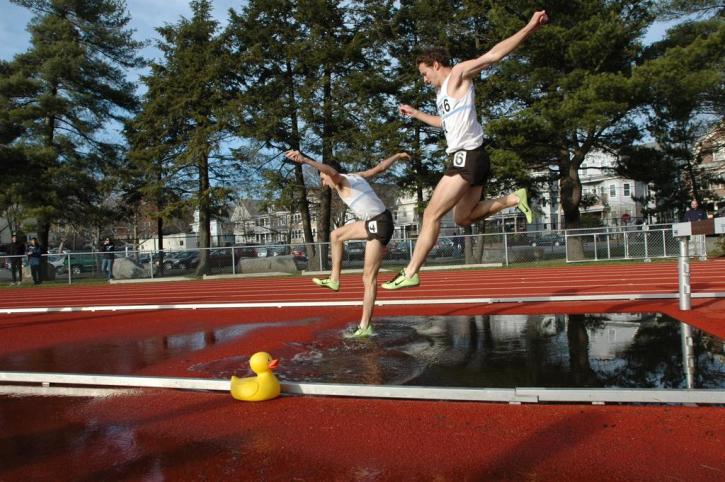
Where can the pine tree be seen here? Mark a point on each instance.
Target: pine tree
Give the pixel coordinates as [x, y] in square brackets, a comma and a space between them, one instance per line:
[311, 81]
[265, 37]
[567, 91]
[73, 86]
[682, 79]
[186, 122]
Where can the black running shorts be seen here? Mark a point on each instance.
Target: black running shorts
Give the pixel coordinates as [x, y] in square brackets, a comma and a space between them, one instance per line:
[380, 227]
[473, 166]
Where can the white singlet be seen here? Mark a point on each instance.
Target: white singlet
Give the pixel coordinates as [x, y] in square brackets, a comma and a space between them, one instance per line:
[362, 200]
[460, 124]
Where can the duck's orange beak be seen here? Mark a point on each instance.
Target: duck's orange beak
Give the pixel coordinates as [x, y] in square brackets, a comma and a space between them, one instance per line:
[273, 364]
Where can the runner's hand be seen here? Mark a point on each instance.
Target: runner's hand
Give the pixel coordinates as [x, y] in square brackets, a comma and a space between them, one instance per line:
[539, 18]
[406, 110]
[295, 156]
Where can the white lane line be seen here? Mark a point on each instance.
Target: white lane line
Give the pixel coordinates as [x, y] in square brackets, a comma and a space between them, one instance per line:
[324, 304]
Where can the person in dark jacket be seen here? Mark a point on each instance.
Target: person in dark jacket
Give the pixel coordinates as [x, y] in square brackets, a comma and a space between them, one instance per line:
[694, 213]
[697, 244]
[35, 253]
[16, 250]
[108, 256]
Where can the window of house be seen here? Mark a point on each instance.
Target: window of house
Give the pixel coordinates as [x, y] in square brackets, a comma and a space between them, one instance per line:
[612, 190]
[181, 242]
[626, 189]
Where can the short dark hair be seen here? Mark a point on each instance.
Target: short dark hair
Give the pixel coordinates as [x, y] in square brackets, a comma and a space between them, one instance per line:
[434, 54]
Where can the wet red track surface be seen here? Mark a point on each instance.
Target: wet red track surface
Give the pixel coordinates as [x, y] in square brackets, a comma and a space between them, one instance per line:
[184, 435]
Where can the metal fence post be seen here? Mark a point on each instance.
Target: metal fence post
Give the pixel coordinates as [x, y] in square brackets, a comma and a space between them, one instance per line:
[626, 245]
[684, 275]
[505, 248]
[664, 244]
[319, 252]
[234, 262]
[70, 277]
[688, 354]
[151, 263]
[646, 250]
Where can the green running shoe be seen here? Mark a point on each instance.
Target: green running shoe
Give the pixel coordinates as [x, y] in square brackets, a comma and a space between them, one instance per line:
[524, 205]
[401, 281]
[360, 333]
[327, 283]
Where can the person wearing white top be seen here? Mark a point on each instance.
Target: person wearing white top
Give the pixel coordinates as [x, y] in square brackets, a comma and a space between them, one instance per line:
[462, 185]
[375, 224]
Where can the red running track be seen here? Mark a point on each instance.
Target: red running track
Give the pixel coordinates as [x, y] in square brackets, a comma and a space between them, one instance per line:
[645, 279]
[176, 435]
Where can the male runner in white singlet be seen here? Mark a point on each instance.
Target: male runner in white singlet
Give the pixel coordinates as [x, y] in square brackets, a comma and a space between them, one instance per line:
[375, 224]
[468, 167]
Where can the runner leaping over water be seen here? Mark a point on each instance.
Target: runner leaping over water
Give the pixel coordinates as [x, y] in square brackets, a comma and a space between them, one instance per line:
[468, 166]
[375, 225]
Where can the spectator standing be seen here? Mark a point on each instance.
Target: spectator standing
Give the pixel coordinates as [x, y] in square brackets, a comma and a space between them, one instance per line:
[695, 213]
[16, 250]
[35, 253]
[697, 242]
[109, 255]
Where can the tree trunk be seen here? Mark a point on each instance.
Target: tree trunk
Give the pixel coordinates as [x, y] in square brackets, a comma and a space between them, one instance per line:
[304, 205]
[204, 216]
[160, 254]
[419, 176]
[323, 230]
[578, 341]
[43, 239]
[570, 187]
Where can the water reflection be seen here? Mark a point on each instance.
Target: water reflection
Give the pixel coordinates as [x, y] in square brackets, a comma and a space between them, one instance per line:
[123, 355]
[592, 350]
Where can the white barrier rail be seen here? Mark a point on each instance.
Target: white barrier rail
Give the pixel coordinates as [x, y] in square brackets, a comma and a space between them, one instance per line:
[509, 395]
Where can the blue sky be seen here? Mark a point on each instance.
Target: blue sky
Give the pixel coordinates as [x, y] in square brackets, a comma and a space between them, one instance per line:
[146, 15]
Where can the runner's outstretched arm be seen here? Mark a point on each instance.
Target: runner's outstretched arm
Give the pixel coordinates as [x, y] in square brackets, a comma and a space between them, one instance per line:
[299, 158]
[409, 111]
[384, 165]
[471, 68]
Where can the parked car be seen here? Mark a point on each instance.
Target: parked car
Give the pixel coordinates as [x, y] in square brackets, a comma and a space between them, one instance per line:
[277, 250]
[445, 248]
[81, 262]
[548, 239]
[299, 253]
[355, 250]
[398, 250]
[58, 262]
[245, 251]
[181, 260]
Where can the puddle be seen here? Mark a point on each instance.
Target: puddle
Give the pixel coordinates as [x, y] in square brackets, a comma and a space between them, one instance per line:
[496, 351]
[506, 351]
[123, 355]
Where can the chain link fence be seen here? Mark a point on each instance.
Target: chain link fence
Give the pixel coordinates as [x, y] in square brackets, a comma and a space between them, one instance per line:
[585, 245]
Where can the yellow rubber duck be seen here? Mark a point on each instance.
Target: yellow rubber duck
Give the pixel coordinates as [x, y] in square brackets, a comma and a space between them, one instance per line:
[264, 386]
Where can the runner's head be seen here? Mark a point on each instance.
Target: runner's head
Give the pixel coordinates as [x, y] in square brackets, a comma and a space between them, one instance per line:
[433, 64]
[326, 180]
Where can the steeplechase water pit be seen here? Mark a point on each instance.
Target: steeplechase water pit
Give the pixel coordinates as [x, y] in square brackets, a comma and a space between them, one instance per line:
[598, 357]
